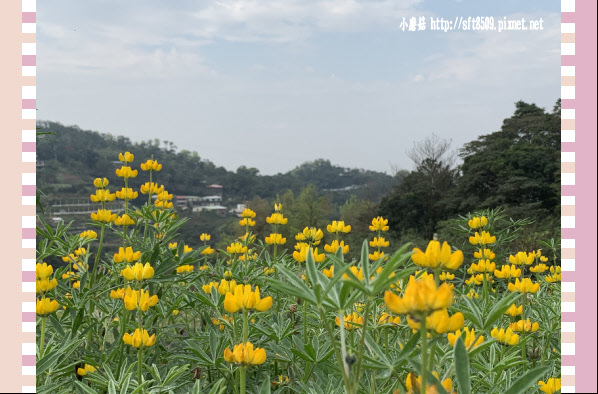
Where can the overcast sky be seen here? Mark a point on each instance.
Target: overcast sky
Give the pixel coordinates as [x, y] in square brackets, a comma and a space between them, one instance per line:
[272, 84]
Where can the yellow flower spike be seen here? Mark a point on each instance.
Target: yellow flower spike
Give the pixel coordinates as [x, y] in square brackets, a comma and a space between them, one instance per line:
[140, 338]
[472, 294]
[277, 239]
[277, 219]
[551, 386]
[377, 256]
[337, 227]
[151, 188]
[43, 270]
[207, 250]
[248, 213]
[89, 234]
[126, 193]
[103, 216]
[379, 242]
[126, 255]
[482, 266]
[100, 183]
[358, 272]
[379, 224]
[247, 222]
[437, 255]
[278, 207]
[301, 255]
[328, 272]
[478, 222]
[175, 312]
[127, 157]
[508, 271]
[138, 272]
[184, 268]
[268, 271]
[86, 369]
[118, 294]
[539, 268]
[526, 326]
[102, 195]
[514, 310]
[151, 165]
[555, 269]
[470, 339]
[245, 354]
[126, 172]
[243, 298]
[413, 384]
[76, 284]
[505, 337]
[524, 286]
[421, 298]
[440, 321]
[351, 322]
[522, 258]
[385, 318]
[444, 276]
[44, 285]
[479, 279]
[208, 288]
[236, 248]
[205, 237]
[543, 259]
[45, 306]
[335, 245]
[485, 254]
[482, 239]
[553, 278]
[311, 235]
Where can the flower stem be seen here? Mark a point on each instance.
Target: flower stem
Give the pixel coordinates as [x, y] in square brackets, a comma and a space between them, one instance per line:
[242, 371]
[139, 359]
[424, 366]
[42, 338]
[97, 259]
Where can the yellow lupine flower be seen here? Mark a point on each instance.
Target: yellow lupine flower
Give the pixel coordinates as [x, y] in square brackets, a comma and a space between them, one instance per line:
[89, 234]
[440, 322]
[437, 256]
[482, 239]
[243, 297]
[207, 250]
[208, 288]
[310, 235]
[151, 165]
[275, 239]
[301, 255]
[379, 242]
[103, 216]
[335, 245]
[43, 285]
[470, 339]
[226, 286]
[43, 270]
[247, 222]
[482, 266]
[478, 222]
[551, 386]
[485, 254]
[479, 279]
[151, 188]
[45, 306]
[337, 227]
[413, 384]
[386, 318]
[139, 299]
[524, 286]
[85, 370]
[543, 259]
[539, 268]
[184, 268]
[140, 338]
[245, 354]
[124, 220]
[76, 284]
[138, 272]
[328, 272]
[277, 219]
[126, 172]
[351, 322]
[236, 248]
[379, 224]
[268, 271]
[472, 294]
[100, 183]
[444, 276]
[526, 326]
[127, 157]
[377, 255]
[126, 255]
[505, 337]
[278, 207]
[514, 310]
[358, 272]
[553, 278]
[421, 298]
[205, 237]
[102, 195]
[522, 258]
[555, 269]
[126, 192]
[248, 213]
[508, 271]
[219, 322]
[118, 294]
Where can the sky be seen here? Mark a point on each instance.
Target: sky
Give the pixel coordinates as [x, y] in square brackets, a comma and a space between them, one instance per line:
[273, 84]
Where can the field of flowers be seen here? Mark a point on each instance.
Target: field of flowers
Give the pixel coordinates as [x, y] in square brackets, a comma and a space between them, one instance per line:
[289, 316]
